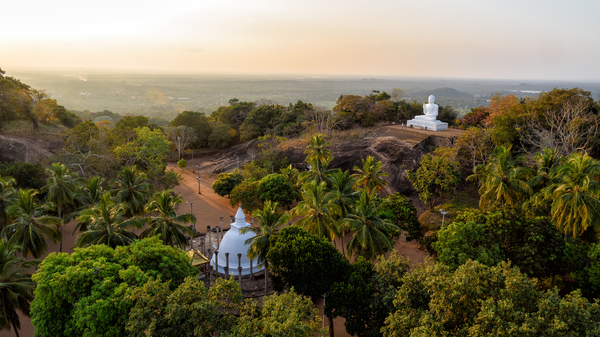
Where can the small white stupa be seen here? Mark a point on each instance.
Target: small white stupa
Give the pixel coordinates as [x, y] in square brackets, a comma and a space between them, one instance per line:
[234, 242]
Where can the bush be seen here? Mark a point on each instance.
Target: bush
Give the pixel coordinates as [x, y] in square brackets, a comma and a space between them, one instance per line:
[26, 175]
[226, 182]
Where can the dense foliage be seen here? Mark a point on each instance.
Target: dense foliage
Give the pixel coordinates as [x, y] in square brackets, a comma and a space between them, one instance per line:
[86, 293]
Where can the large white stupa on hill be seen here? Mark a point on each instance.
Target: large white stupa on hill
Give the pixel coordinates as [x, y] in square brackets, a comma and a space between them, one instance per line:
[233, 243]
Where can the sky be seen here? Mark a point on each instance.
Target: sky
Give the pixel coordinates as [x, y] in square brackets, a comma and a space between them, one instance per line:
[496, 39]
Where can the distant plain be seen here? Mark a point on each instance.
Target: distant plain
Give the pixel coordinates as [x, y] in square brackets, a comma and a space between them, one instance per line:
[166, 95]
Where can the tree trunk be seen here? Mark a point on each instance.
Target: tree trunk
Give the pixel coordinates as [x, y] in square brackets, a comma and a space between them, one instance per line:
[61, 228]
[330, 319]
[342, 239]
[15, 328]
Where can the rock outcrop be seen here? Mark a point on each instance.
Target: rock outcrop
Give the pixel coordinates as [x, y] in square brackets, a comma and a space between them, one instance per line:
[395, 155]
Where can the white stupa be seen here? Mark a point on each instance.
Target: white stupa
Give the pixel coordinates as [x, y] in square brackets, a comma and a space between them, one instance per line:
[234, 242]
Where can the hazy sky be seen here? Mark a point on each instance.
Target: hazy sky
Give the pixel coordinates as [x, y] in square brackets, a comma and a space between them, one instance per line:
[524, 39]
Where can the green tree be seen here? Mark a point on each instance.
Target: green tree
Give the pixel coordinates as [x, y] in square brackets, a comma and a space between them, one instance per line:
[477, 300]
[106, 224]
[26, 175]
[276, 188]
[131, 188]
[196, 120]
[147, 151]
[365, 298]
[532, 244]
[369, 177]
[182, 163]
[7, 196]
[318, 157]
[371, 235]
[575, 205]
[31, 225]
[502, 180]
[405, 215]
[317, 211]
[269, 222]
[91, 191]
[305, 262]
[221, 137]
[61, 189]
[342, 186]
[16, 288]
[435, 177]
[86, 293]
[247, 195]
[226, 182]
[285, 314]
[167, 222]
[189, 310]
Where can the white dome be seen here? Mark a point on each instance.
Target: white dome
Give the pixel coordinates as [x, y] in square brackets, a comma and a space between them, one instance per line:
[234, 242]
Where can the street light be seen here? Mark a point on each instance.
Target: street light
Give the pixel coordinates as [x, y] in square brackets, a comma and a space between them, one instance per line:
[198, 185]
[443, 216]
[192, 212]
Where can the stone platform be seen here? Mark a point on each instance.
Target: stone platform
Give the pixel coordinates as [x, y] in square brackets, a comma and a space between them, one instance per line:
[429, 124]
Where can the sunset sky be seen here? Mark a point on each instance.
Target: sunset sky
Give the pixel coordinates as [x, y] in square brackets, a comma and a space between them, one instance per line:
[504, 39]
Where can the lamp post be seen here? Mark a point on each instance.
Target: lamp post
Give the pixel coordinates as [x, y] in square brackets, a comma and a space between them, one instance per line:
[192, 212]
[198, 178]
[443, 216]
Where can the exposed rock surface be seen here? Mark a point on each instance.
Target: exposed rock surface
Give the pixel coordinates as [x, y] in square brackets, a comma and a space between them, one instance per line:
[15, 148]
[395, 155]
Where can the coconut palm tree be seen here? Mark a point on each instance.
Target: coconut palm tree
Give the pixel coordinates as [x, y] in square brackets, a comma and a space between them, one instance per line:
[167, 222]
[31, 224]
[317, 210]
[16, 286]
[369, 177]
[370, 233]
[130, 187]
[318, 158]
[89, 194]
[61, 187]
[106, 224]
[575, 203]
[269, 222]
[7, 197]
[342, 186]
[502, 180]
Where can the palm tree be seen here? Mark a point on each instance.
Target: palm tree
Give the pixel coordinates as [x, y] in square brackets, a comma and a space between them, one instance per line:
[16, 286]
[547, 163]
[317, 210]
[502, 180]
[370, 233]
[342, 186]
[90, 193]
[166, 223]
[106, 224]
[61, 187]
[31, 225]
[575, 203]
[130, 187]
[269, 222]
[370, 175]
[318, 157]
[7, 197]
